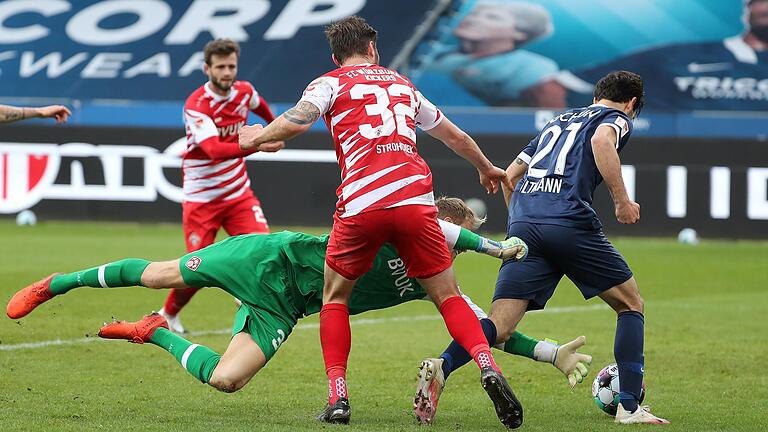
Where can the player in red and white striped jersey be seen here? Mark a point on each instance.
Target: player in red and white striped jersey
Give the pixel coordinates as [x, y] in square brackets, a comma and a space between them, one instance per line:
[385, 196]
[217, 192]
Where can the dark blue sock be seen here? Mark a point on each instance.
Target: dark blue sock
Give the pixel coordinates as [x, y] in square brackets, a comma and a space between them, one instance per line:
[455, 356]
[628, 350]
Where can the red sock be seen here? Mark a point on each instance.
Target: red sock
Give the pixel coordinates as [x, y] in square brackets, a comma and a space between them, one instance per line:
[177, 299]
[465, 329]
[336, 341]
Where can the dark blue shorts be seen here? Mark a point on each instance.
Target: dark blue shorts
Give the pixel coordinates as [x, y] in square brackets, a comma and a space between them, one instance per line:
[586, 257]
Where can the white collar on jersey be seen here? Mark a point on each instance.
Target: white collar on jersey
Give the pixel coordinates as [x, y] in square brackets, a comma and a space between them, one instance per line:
[217, 97]
[743, 52]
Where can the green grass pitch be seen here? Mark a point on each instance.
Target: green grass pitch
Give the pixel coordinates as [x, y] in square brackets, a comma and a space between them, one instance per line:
[706, 348]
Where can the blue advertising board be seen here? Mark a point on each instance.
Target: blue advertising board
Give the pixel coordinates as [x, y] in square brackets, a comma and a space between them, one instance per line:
[151, 49]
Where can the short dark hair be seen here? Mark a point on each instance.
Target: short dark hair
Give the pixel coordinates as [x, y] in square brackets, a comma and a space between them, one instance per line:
[350, 37]
[621, 86]
[223, 47]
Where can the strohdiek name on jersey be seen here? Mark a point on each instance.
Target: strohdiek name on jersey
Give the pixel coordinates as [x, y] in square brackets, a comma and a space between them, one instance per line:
[392, 147]
[551, 185]
[402, 283]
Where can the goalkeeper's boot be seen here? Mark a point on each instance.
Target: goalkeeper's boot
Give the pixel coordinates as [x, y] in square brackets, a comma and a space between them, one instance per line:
[27, 299]
[428, 389]
[339, 412]
[642, 415]
[571, 363]
[508, 408]
[137, 332]
[174, 322]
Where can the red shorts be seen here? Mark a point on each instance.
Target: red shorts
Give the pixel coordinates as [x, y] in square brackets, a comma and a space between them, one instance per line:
[201, 221]
[412, 229]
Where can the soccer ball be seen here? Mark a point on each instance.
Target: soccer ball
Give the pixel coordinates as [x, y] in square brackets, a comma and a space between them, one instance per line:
[605, 389]
[688, 236]
[26, 217]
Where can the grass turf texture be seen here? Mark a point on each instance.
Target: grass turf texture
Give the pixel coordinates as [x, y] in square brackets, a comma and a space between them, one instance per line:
[705, 342]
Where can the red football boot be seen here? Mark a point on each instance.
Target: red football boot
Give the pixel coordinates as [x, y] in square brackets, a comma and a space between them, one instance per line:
[136, 332]
[27, 299]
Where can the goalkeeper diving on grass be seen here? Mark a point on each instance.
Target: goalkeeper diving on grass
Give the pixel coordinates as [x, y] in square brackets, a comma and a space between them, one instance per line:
[279, 280]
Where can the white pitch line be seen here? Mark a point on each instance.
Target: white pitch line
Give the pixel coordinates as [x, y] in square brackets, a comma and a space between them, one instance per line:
[308, 326]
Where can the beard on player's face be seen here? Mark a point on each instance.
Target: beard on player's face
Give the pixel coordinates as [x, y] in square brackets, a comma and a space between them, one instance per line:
[222, 86]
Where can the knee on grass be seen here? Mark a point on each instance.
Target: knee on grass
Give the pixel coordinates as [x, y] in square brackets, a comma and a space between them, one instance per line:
[225, 383]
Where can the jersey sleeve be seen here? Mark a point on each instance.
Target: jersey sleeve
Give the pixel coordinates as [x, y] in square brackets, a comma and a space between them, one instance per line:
[319, 93]
[427, 114]
[255, 98]
[451, 233]
[200, 126]
[529, 151]
[622, 125]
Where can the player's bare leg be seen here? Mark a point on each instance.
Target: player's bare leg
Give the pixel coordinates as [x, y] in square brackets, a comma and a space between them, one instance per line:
[240, 362]
[229, 373]
[336, 342]
[465, 329]
[625, 299]
[123, 273]
[506, 315]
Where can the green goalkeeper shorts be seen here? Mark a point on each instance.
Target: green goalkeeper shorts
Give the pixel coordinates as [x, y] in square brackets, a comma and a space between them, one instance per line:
[254, 269]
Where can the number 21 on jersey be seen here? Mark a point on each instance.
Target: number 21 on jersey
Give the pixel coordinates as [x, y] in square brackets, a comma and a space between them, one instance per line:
[542, 155]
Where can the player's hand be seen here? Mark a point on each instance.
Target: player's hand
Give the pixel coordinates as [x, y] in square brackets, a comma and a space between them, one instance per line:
[628, 212]
[272, 147]
[491, 178]
[59, 112]
[248, 136]
[513, 249]
[571, 363]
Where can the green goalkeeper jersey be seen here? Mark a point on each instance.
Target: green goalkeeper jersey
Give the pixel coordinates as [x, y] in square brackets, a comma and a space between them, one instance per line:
[385, 285]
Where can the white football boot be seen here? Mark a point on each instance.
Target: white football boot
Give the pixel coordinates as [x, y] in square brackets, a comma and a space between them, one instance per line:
[573, 364]
[174, 322]
[428, 389]
[642, 415]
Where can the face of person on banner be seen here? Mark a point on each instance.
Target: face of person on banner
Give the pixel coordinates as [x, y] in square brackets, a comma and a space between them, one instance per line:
[493, 28]
[757, 20]
[222, 71]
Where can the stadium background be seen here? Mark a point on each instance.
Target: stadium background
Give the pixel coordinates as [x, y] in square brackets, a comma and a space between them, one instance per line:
[126, 67]
[125, 70]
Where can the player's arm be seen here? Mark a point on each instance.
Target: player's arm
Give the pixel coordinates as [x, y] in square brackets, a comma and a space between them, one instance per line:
[463, 145]
[288, 125]
[9, 114]
[462, 239]
[515, 172]
[206, 135]
[315, 102]
[604, 147]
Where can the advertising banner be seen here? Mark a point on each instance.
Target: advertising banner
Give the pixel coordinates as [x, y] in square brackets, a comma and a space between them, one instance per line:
[152, 49]
[134, 175]
[692, 54]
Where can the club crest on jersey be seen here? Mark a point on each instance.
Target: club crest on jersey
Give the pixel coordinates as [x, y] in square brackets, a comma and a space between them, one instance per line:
[193, 263]
[623, 125]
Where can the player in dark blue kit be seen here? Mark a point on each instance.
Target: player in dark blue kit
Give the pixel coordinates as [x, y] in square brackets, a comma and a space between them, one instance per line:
[551, 210]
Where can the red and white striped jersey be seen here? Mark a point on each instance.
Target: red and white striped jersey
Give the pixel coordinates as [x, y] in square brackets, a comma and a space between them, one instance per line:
[209, 117]
[372, 113]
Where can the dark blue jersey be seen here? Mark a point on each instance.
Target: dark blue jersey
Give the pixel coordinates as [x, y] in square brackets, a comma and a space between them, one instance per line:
[725, 75]
[562, 176]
